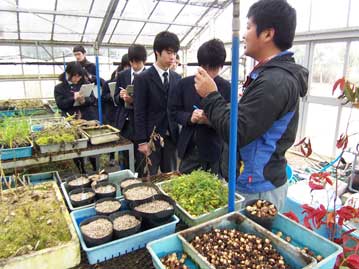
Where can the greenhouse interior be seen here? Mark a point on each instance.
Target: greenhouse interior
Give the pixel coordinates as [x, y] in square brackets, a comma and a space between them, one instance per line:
[179, 134]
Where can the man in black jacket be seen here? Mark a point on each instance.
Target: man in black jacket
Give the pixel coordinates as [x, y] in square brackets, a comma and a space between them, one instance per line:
[137, 56]
[151, 91]
[198, 145]
[268, 111]
[80, 55]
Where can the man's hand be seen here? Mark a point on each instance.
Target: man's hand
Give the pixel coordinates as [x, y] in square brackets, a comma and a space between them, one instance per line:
[144, 149]
[195, 115]
[203, 118]
[123, 92]
[204, 84]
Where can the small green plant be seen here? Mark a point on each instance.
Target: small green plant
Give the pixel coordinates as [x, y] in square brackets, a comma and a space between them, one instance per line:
[56, 134]
[14, 132]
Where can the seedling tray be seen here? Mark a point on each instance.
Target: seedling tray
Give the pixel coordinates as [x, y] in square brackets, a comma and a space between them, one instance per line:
[121, 246]
[38, 124]
[76, 145]
[38, 178]
[7, 113]
[292, 256]
[193, 221]
[16, 153]
[101, 134]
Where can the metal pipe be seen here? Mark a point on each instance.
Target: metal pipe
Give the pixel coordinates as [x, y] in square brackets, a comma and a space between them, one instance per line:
[99, 103]
[234, 109]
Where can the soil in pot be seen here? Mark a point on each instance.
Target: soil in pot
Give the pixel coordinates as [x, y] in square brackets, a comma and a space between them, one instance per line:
[107, 206]
[105, 189]
[126, 223]
[97, 230]
[81, 197]
[154, 206]
[78, 182]
[139, 192]
[128, 182]
[97, 178]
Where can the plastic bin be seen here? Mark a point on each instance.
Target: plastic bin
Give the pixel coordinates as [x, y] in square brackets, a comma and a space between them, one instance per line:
[42, 177]
[164, 246]
[292, 255]
[7, 113]
[191, 220]
[121, 246]
[115, 178]
[16, 153]
[303, 237]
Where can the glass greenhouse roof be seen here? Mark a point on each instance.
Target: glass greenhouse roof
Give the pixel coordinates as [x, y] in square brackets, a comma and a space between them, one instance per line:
[115, 22]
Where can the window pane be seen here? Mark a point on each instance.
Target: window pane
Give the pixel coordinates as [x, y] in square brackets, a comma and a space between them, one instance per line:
[47, 88]
[328, 65]
[334, 15]
[302, 7]
[11, 89]
[354, 18]
[353, 64]
[353, 125]
[320, 127]
[299, 53]
[33, 89]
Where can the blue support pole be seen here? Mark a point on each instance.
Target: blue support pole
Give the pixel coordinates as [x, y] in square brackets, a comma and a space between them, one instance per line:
[99, 103]
[63, 57]
[234, 109]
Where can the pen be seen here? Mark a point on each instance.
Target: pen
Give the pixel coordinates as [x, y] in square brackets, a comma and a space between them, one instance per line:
[195, 107]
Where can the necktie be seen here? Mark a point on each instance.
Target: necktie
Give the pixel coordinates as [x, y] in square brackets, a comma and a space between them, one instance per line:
[133, 77]
[165, 81]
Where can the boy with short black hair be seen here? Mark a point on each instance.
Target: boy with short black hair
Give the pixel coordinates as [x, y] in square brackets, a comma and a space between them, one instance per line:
[151, 91]
[269, 108]
[80, 55]
[199, 146]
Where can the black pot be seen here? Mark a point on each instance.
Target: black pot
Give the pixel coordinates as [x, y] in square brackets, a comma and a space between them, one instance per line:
[266, 222]
[104, 179]
[107, 199]
[82, 202]
[139, 185]
[155, 219]
[124, 233]
[92, 242]
[70, 188]
[127, 179]
[105, 195]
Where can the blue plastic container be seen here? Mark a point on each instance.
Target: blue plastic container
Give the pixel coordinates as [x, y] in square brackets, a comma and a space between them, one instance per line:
[7, 113]
[303, 237]
[121, 246]
[165, 246]
[38, 178]
[16, 153]
[289, 172]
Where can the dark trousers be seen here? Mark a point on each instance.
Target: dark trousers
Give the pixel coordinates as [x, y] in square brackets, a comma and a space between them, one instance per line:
[192, 161]
[164, 158]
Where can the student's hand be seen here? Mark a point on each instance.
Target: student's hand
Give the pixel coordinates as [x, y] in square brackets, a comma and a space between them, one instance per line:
[79, 97]
[123, 93]
[204, 84]
[128, 99]
[144, 149]
[195, 116]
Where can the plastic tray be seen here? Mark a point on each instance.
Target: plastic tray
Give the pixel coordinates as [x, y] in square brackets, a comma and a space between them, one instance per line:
[7, 113]
[66, 255]
[112, 135]
[16, 153]
[38, 124]
[115, 177]
[42, 177]
[121, 246]
[77, 144]
[303, 237]
[165, 246]
[292, 255]
[192, 221]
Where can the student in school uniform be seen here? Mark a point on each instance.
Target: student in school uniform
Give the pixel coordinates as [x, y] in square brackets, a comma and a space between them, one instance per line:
[67, 93]
[199, 146]
[137, 56]
[80, 55]
[151, 91]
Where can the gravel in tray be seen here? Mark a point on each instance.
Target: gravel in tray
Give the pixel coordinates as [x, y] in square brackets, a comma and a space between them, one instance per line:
[108, 206]
[79, 181]
[154, 207]
[140, 193]
[97, 229]
[105, 189]
[130, 182]
[81, 196]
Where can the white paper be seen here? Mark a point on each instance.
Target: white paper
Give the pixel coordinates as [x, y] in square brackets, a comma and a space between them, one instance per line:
[85, 90]
[112, 86]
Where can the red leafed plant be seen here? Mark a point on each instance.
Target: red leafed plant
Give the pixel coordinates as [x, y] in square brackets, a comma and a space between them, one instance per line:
[316, 217]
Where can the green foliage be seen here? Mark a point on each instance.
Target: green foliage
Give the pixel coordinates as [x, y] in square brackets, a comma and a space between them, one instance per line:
[198, 193]
[56, 134]
[33, 222]
[14, 132]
